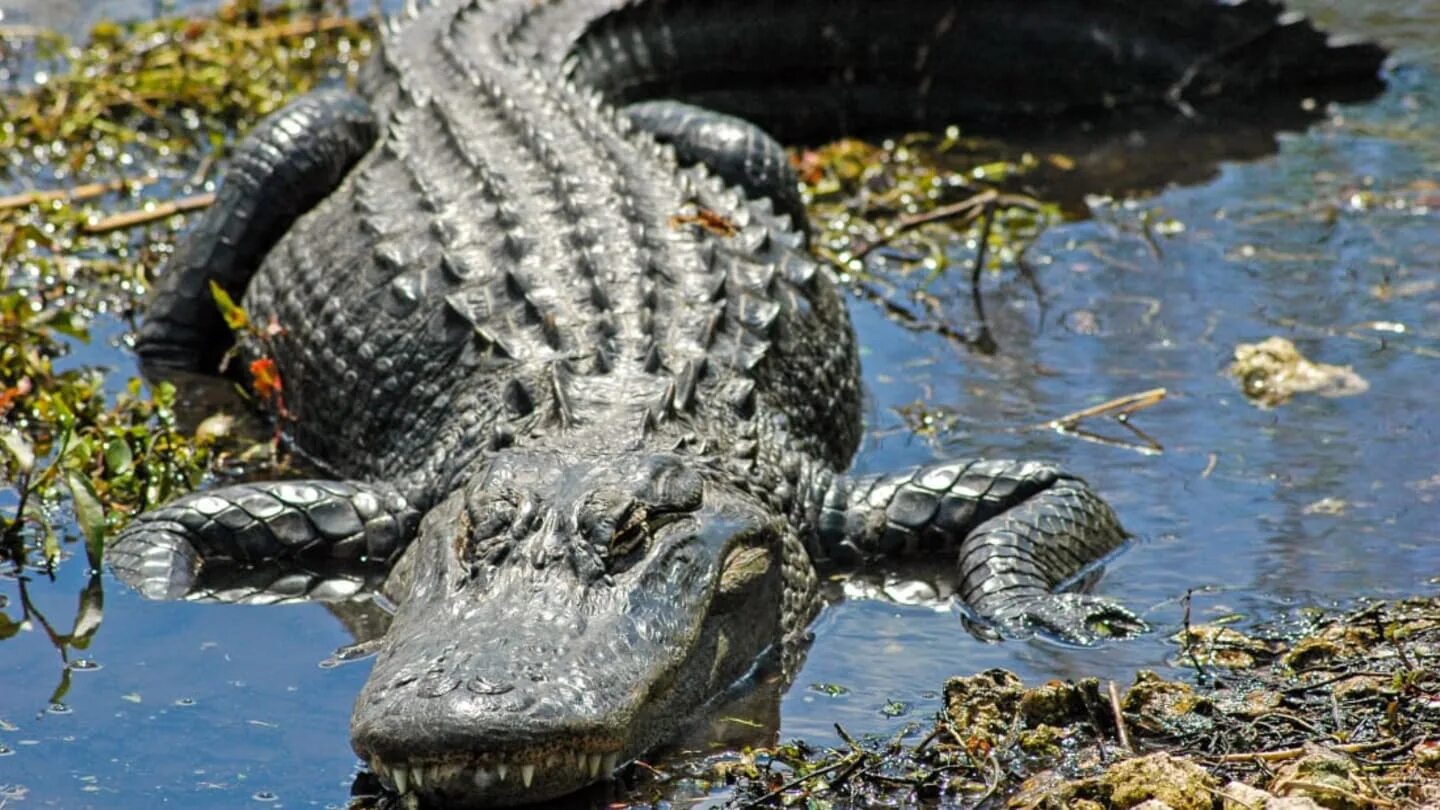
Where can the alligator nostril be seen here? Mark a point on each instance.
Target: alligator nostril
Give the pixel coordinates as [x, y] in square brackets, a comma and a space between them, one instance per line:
[436, 683]
[514, 702]
[481, 685]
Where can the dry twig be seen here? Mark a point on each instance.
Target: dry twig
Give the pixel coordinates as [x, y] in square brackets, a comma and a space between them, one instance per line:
[1284, 754]
[130, 219]
[1120, 730]
[89, 191]
[970, 208]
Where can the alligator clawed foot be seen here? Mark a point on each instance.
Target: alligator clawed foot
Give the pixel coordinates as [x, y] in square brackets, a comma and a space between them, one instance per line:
[155, 557]
[1072, 618]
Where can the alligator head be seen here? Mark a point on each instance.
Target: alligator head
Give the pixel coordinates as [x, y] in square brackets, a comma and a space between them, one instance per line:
[559, 618]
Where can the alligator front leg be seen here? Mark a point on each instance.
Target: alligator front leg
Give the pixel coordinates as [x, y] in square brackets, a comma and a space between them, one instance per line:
[1019, 530]
[286, 165]
[739, 152]
[163, 551]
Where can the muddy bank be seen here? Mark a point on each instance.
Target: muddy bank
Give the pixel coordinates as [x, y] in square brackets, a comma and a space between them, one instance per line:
[1313, 710]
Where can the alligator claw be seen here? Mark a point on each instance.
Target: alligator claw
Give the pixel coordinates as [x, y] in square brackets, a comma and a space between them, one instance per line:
[1072, 618]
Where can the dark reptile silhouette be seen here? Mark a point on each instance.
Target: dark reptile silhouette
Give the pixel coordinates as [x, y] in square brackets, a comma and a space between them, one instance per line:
[550, 322]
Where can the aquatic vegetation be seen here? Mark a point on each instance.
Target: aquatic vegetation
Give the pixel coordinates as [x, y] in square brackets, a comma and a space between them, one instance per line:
[133, 122]
[894, 217]
[1336, 709]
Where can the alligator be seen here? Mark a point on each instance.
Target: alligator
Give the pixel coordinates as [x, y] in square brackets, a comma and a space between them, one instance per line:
[546, 319]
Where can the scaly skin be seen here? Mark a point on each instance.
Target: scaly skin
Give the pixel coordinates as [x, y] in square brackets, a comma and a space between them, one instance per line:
[592, 403]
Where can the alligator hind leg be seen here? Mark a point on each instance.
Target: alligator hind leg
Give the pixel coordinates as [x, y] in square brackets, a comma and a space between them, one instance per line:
[239, 528]
[286, 165]
[1020, 531]
[739, 152]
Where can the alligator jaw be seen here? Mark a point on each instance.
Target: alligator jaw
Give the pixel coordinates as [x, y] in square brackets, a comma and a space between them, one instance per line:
[500, 779]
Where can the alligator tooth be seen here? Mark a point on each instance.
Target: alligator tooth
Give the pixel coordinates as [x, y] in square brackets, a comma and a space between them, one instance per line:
[607, 763]
[594, 765]
[502, 769]
[580, 760]
[417, 777]
[527, 773]
[402, 779]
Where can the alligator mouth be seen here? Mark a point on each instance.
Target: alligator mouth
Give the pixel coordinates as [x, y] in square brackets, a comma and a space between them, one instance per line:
[508, 777]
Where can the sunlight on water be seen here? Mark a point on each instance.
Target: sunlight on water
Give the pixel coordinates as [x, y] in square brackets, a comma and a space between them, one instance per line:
[1330, 241]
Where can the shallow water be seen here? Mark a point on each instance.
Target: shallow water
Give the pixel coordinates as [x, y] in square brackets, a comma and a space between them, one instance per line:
[1331, 241]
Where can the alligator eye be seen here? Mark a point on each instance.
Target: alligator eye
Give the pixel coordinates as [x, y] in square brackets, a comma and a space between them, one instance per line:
[634, 533]
[484, 528]
[630, 535]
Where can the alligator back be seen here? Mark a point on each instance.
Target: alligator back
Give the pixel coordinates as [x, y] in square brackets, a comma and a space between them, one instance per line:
[512, 264]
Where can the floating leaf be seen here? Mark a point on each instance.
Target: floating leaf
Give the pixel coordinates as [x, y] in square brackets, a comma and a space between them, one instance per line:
[9, 396]
[118, 457]
[64, 415]
[714, 222]
[89, 614]
[89, 514]
[215, 427]
[61, 689]
[235, 317]
[19, 447]
[265, 377]
[66, 322]
[895, 708]
[50, 548]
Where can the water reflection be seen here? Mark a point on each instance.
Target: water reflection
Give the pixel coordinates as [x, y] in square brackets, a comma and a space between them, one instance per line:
[83, 627]
[1319, 235]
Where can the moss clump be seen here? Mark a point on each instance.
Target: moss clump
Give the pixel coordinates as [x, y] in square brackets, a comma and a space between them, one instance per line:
[1161, 706]
[1042, 741]
[1179, 783]
[1324, 777]
[1057, 702]
[983, 707]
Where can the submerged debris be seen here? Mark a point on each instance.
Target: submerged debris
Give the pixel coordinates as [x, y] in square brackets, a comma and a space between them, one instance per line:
[1273, 370]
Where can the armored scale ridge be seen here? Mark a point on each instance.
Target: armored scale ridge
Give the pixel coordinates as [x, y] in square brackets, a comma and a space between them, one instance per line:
[550, 324]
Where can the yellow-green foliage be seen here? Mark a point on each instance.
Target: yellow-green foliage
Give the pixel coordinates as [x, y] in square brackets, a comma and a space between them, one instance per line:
[143, 110]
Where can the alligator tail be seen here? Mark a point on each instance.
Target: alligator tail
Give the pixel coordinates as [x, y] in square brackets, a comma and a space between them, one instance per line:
[807, 71]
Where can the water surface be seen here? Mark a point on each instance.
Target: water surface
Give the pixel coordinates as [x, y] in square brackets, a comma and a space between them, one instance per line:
[1332, 239]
